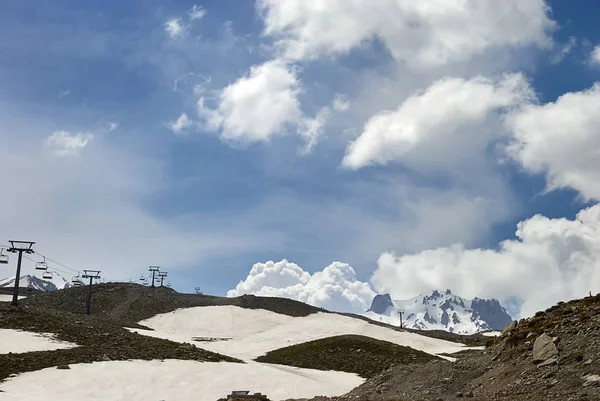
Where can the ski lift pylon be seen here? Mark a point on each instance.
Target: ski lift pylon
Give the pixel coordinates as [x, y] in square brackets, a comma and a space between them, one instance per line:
[3, 257]
[42, 265]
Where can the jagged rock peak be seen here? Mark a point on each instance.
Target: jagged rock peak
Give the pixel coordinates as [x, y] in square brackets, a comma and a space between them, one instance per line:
[381, 303]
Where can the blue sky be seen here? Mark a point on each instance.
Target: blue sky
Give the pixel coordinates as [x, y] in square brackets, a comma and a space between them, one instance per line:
[208, 202]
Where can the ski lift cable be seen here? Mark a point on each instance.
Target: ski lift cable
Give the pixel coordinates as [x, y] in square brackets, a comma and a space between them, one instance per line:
[50, 268]
[48, 259]
[58, 263]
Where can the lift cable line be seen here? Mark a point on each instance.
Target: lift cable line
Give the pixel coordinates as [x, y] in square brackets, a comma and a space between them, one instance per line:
[154, 270]
[53, 268]
[19, 247]
[91, 274]
[58, 263]
[161, 276]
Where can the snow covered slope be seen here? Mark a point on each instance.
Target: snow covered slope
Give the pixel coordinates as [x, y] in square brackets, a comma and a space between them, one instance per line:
[57, 282]
[249, 333]
[440, 310]
[17, 341]
[174, 380]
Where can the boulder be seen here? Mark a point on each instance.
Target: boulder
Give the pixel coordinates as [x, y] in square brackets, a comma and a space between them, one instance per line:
[510, 326]
[544, 349]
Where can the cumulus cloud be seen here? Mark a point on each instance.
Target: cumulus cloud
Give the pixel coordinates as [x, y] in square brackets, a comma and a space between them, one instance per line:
[422, 34]
[258, 105]
[427, 129]
[334, 288]
[263, 104]
[174, 28]
[551, 260]
[63, 143]
[562, 140]
[181, 124]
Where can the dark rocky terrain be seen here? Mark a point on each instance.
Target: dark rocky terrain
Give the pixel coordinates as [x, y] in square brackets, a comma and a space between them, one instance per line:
[355, 354]
[552, 356]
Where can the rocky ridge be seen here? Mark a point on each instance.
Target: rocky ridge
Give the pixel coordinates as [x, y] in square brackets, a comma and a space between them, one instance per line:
[554, 355]
[441, 310]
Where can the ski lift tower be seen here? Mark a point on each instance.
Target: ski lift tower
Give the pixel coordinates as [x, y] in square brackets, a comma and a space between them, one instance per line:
[19, 247]
[161, 276]
[400, 313]
[91, 274]
[153, 270]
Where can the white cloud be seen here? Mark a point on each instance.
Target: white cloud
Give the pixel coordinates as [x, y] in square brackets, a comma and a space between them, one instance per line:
[64, 143]
[181, 124]
[340, 103]
[257, 106]
[112, 126]
[334, 288]
[419, 33]
[562, 140]
[428, 128]
[196, 12]
[311, 129]
[564, 50]
[64, 93]
[552, 260]
[595, 56]
[174, 28]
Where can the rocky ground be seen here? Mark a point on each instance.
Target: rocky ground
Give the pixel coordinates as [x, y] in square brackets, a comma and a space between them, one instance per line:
[355, 354]
[552, 356]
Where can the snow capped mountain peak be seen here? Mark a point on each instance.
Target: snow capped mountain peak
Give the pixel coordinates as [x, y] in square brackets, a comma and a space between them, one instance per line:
[440, 310]
[57, 282]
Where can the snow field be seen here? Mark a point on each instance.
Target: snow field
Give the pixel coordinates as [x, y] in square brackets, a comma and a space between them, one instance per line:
[492, 333]
[17, 341]
[173, 380]
[256, 332]
[8, 298]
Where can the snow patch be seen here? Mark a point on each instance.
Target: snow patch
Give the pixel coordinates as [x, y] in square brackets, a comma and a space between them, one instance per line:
[253, 333]
[174, 380]
[17, 341]
[8, 298]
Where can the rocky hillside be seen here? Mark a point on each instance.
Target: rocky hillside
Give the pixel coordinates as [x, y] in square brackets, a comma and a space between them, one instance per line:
[129, 303]
[355, 354]
[440, 310]
[554, 355]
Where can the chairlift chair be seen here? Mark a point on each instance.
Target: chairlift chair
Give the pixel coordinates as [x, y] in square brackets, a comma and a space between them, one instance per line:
[47, 275]
[169, 284]
[42, 265]
[3, 257]
[142, 278]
